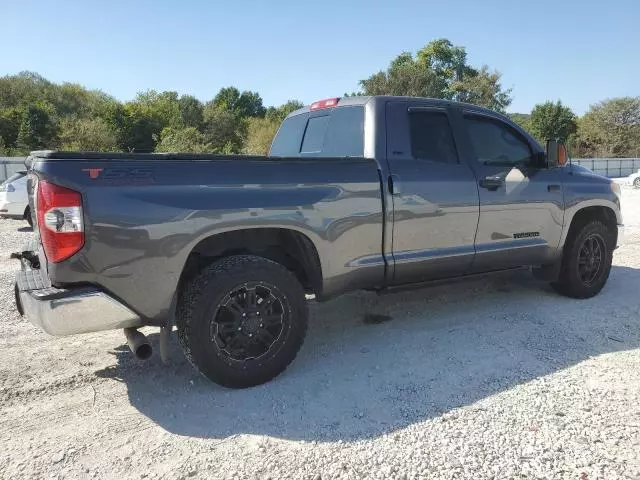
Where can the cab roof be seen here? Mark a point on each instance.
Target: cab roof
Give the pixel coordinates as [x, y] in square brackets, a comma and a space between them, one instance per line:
[365, 99]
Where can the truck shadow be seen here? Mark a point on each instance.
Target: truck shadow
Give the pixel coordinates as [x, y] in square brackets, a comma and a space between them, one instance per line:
[433, 350]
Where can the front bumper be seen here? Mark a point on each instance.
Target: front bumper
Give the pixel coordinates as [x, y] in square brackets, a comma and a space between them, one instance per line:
[60, 311]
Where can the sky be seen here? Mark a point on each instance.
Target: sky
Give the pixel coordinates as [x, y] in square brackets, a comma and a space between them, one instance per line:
[579, 52]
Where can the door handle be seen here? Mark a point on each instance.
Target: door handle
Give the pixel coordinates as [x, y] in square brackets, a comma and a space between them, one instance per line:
[491, 182]
[553, 188]
[394, 185]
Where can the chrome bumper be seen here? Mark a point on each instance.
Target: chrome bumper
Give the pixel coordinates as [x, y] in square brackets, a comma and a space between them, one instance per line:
[70, 311]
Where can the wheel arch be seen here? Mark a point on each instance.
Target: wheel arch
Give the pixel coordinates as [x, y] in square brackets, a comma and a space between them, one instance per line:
[607, 214]
[291, 248]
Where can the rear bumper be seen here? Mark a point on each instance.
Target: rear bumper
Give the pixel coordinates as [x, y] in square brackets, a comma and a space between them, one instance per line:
[69, 311]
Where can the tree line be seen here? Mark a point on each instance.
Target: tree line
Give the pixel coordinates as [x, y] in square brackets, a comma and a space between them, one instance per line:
[610, 128]
[38, 114]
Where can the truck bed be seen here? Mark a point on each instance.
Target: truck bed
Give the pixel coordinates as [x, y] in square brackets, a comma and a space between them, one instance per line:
[145, 213]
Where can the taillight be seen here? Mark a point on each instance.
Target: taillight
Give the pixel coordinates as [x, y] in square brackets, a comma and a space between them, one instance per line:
[327, 103]
[59, 212]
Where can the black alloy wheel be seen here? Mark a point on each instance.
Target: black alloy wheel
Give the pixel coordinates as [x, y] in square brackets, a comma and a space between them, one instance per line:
[591, 259]
[248, 322]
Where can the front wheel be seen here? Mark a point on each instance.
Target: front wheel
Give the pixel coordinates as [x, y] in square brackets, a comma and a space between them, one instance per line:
[242, 321]
[636, 182]
[586, 261]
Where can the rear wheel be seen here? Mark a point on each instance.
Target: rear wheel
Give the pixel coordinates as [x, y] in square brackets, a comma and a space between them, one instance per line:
[242, 320]
[636, 182]
[586, 261]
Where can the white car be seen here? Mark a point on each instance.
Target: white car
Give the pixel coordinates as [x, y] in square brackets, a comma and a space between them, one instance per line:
[14, 201]
[634, 179]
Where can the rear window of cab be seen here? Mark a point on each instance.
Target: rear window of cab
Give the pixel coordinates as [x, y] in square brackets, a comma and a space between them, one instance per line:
[336, 132]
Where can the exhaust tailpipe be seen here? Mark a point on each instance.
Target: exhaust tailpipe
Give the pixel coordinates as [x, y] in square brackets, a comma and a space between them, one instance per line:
[138, 343]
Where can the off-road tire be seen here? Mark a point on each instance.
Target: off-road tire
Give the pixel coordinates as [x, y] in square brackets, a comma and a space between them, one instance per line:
[569, 282]
[201, 299]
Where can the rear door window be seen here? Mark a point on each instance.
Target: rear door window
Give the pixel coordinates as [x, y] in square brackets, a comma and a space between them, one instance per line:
[431, 137]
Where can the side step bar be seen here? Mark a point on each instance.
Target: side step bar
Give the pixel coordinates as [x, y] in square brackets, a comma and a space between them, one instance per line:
[444, 281]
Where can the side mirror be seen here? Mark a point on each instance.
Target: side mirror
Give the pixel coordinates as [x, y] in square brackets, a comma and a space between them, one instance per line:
[556, 154]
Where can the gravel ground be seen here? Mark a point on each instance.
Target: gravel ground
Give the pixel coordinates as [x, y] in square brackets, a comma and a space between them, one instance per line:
[488, 379]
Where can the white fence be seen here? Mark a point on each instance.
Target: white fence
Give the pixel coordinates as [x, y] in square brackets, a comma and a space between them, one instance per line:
[610, 167]
[10, 165]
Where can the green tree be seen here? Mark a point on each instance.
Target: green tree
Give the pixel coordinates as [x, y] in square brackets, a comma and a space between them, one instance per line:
[481, 88]
[260, 133]
[191, 111]
[404, 78]
[88, 135]
[134, 129]
[162, 108]
[10, 121]
[70, 99]
[439, 70]
[187, 139]
[25, 88]
[140, 132]
[33, 107]
[552, 121]
[610, 129]
[280, 113]
[245, 104]
[522, 119]
[37, 129]
[224, 129]
[447, 61]
[115, 117]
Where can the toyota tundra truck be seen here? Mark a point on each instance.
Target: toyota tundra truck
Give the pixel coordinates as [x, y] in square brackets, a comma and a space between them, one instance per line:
[374, 193]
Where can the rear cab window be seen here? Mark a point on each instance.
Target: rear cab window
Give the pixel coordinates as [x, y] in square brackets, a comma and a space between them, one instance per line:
[314, 134]
[331, 132]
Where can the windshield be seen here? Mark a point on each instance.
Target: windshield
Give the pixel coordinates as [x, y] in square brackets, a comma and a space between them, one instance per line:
[14, 177]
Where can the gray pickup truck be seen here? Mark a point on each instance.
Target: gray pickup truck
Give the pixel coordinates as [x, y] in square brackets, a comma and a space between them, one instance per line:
[369, 193]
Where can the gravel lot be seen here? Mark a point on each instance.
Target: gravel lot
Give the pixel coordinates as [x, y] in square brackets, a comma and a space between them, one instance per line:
[496, 378]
